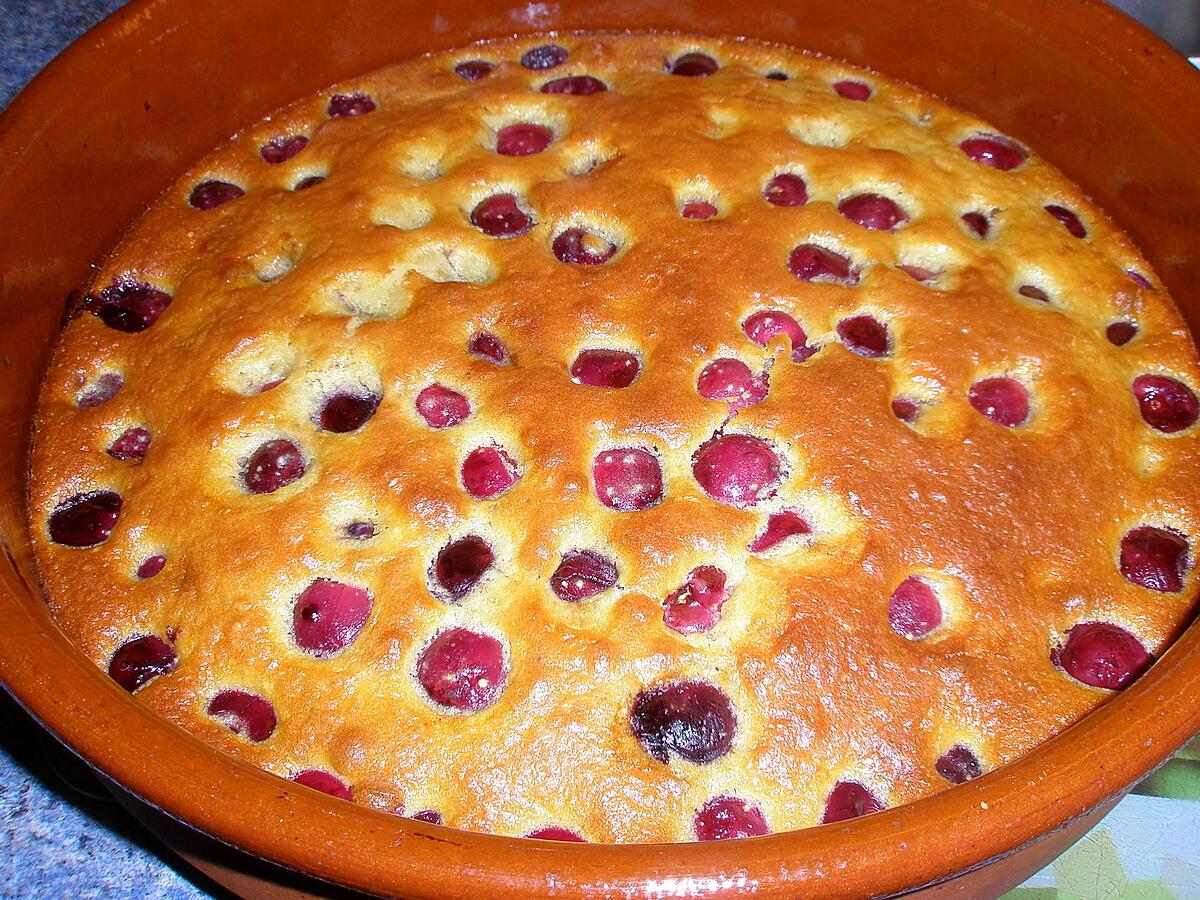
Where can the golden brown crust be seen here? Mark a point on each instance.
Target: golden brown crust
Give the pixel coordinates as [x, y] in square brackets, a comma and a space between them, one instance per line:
[1021, 525]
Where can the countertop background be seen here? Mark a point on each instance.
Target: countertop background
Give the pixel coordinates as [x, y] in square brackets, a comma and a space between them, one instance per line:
[61, 835]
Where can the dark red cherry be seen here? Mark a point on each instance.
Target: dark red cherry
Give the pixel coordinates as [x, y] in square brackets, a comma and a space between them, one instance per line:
[432, 816]
[441, 407]
[582, 574]
[1139, 279]
[272, 466]
[141, 659]
[282, 148]
[906, 410]
[694, 65]
[1166, 405]
[786, 189]
[695, 605]
[914, 611]
[211, 194]
[1070, 221]
[865, 335]
[556, 833]
[698, 209]
[777, 76]
[325, 783]
[849, 800]
[873, 211]
[131, 445]
[129, 306]
[627, 479]
[305, 183]
[361, 531]
[918, 273]
[500, 216]
[764, 326]
[523, 139]
[959, 765]
[582, 247]
[1102, 655]
[725, 818]
[247, 714]
[346, 411]
[978, 223]
[995, 150]
[1154, 558]
[100, 391]
[693, 720]
[605, 368]
[780, 526]
[488, 472]
[738, 469]
[1120, 333]
[1003, 400]
[473, 69]
[1033, 292]
[151, 566]
[547, 56]
[461, 564]
[462, 669]
[85, 520]
[732, 381]
[808, 262]
[576, 85]
[853, 90]
[487, 346]
[343, 106]
[328, 616]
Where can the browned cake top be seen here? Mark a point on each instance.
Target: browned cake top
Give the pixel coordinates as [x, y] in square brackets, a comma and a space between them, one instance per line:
[646, 437]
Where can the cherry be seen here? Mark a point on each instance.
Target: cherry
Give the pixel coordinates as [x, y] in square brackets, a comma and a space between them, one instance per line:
[328, 616]
[247, 714]
[959, 765]
[1003, 400]
[325, 783]
[523, 139]
[305, 183]
[500, 216]
[441, 407]
[786, 189]
[731, 380]
[698, 209]
[808, 262]
[85, 520]
[738, 469]
[349, 105]
[582, 247]
[628, 479]
[780, 526]
[361, 531]
[129, 306]
[488, 472]
[1100, 654]
[692, 719]
[582, 574]
[272, 466]
[724, 818]
[461, 564]
[695, 605]
[865, 335]
[1139, 279]
[1033, 292]
[1166, 405]
[914, 611]
[577, 85]
[995, 150]
[764, 326]
[918, 273]
[1120, 333]
[346, 411]
[462, 669]
[777, 76]
[906, 410]
[873, 211]
[487, 346]
[853, 90]
[1069, 219]
[211, 194]
[139, 660]
[282, 148]
[151, 566]
[473, 69]
[1154, 558]
[605, 368]
[432, 816]
[694, 65]
[131, 445]
[100, 391]
[978, 223]
[849, 800]
[556, 833]
[547, 56]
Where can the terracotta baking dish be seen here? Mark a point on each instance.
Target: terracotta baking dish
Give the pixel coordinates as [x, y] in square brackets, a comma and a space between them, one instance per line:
[106, 127]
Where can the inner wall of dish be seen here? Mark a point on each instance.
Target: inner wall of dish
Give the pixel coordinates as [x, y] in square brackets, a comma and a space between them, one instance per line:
[95, 162]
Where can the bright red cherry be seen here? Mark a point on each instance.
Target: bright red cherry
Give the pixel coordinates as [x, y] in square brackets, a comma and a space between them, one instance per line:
[463, 669]
[247, 714]
[1100, 654]
[328, 616]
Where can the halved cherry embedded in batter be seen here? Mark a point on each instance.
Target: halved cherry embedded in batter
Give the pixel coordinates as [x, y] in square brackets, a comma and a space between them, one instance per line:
[605, 368]
[501, 216]
[343, 106]
[873, 211]
[853, 90]
[249, 715]
[994, 150]
[849, 800]
[732, 381]
[726, 818]
[698, 209]
[129, 305]
[575, 85]
[695, 605]
[865, 335]
[282, 148]
[1033, 292]
[583, 247]
[310, 181]
[776, 75]
[487, 346]
[627, 479]
[523, 139]
[693, 720]
[1154, 558]
[1139, 279]
[462, 669]
[1003, 400]
[488, 472]
[324, 782]
[1101, 654]
[546, 56]
[131, 445]
[361, 531]
[442, 407]
[809, 262]
[328, 616]
[347, 410]
[906, 410]
[100, 391]
[213, 193]
[764, 326]
[914, 611]
[274, 465]
[1120, 333]
[780, 526]
[151, 566]
[738, 469]
[918, 273]
[85, 520]
[959, 765]
[1166, 405]
[582, 574]
[460, 565]
[786, 189]
[556, 833]
[141, 659]
[1069, 220]
[978, 223]
[694, 65]
[432, 816]
[473, 69]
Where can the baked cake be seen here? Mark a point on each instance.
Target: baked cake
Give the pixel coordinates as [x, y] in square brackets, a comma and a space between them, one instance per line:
[634, 437]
